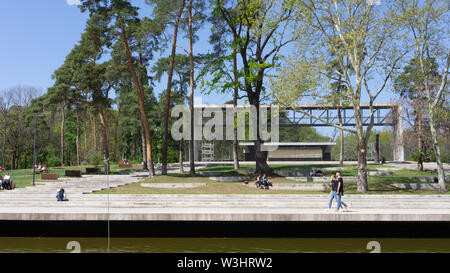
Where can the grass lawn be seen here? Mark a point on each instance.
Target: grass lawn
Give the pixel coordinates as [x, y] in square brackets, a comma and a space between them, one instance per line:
[24, 177]
[377, 184]
[212, 187]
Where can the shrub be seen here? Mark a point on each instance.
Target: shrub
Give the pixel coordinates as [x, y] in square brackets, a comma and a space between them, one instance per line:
[54, 161]
[96, 159]
[429, 156]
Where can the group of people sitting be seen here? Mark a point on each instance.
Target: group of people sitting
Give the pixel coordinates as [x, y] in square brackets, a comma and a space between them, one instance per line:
[262, 182]
[6, 183]
[316, 172]
[41, 168]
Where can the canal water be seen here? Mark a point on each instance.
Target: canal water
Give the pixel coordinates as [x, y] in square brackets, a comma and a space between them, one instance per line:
[222, 245]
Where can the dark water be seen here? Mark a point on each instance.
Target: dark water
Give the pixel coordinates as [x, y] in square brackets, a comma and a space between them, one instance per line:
[222, 245]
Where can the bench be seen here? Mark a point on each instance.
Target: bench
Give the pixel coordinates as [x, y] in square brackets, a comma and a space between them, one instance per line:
[49, 176]
[73, 173]
[93, 170]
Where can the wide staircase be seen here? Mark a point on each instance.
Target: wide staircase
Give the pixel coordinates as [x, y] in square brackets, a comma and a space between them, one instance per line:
[81, 194]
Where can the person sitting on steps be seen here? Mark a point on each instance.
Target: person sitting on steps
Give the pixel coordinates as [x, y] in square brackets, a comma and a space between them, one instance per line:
[265, 182]
[258, 182]
[7, 183]
[61, 194]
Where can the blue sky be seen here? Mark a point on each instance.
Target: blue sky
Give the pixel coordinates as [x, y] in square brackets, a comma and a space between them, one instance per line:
[37, 36]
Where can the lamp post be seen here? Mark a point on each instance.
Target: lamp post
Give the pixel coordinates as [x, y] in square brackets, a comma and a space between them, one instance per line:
[34, 145]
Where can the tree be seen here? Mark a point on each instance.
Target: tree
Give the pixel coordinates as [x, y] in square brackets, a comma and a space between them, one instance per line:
[84, 79]
[182, 69]
[258, 29]
[123, 17]
[18, 137]
[221, 65]
[426, 21]
[409, 85]
[198, 18]
[362, 38]
[168, 12]
[339, 99]
[138, 84]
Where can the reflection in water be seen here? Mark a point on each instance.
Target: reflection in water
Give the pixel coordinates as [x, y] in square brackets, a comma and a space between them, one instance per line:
[220, 245]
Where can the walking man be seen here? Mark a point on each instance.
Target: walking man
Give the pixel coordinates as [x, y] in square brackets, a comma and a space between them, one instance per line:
[340, 192]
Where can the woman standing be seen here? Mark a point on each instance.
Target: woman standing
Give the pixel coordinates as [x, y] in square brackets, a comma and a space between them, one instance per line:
[333, 190]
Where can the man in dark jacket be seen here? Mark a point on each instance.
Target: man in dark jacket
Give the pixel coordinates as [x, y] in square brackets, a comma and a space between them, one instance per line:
[340, 192]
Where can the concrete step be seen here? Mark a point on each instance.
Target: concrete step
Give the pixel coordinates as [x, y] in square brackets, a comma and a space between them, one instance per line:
[317, 179]
[265, 196]
[181, 203]
[149, 204]
[67, 187]
[403, 198]
[268, 197]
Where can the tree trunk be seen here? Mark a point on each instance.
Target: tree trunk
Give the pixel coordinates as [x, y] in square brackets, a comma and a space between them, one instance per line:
[260, 155]
[431, 113]
[180, 155]
[104, 137]
[362, 184]
[341, 129]
[144, 148]
[85, 141]
[437, 152]
[62, 133]
[169, 87]
[3, 148]
[420, 138]
[377, 148]
[134, 147]
[12, 161]
[78, 138]
[235, 96]
[94, 133]
[191, 98]
[117, 130]
[24, 164]
[140, 96]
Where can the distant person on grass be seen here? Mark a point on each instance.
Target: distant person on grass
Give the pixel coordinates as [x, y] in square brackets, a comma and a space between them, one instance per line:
[265, 182]
[258, 182]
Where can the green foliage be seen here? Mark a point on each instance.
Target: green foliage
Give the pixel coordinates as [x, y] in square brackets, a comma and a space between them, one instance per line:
[429, 156]
[96, 159]
[54, 161]
[351, 144]
[409, 83]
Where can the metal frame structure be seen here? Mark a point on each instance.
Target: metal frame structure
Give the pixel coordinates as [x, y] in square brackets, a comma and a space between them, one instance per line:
[385, 114]
[330, 115]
